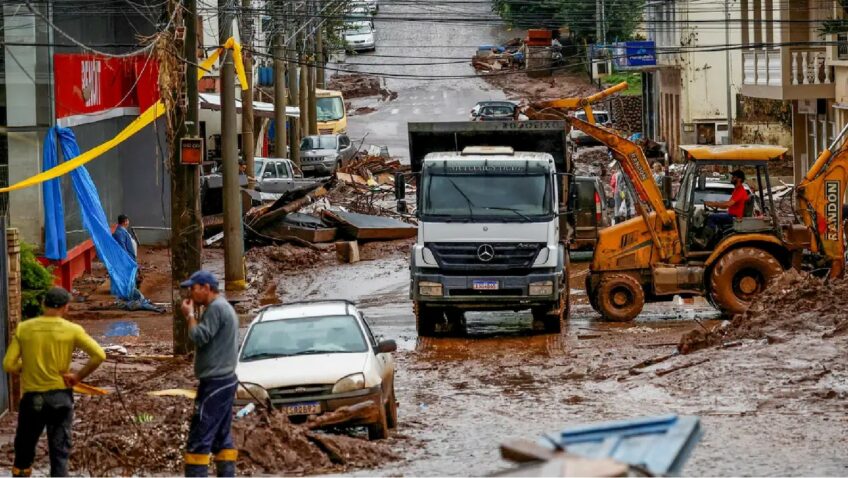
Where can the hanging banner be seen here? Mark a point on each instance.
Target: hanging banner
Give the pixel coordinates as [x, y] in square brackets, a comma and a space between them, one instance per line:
[149, 115]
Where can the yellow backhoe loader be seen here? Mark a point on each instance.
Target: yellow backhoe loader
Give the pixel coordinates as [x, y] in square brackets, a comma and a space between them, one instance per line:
[668, 248]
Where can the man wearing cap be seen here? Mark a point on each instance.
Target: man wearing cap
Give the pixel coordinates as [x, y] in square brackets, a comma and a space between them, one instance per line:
[216, 338]
[41, 352]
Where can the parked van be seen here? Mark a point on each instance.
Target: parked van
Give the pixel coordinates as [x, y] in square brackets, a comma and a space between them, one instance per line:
[332, 114]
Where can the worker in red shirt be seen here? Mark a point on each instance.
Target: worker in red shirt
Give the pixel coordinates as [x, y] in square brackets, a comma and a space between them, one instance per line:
[735, 205]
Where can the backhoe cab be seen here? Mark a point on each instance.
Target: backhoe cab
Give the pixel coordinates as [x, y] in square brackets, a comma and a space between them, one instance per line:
[728, 263]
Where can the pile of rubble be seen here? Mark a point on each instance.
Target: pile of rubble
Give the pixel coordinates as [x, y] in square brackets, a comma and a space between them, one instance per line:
[355, 85]
[130, 433]
[796, 303]
[490, 58]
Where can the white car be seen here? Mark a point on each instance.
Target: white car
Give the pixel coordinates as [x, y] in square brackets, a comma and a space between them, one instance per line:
[309, 358]
[359, 36]
[370, 5]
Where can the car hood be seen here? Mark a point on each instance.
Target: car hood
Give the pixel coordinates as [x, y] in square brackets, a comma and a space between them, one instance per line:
[301, 370]
[367, 37]
[318, 152]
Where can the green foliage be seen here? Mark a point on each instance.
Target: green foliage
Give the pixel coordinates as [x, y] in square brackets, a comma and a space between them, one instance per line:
[634, 82]
[35, 281]
[622, 17]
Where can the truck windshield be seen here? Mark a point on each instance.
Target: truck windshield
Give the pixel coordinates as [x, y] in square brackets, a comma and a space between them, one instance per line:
[330, 108]
[511, 198]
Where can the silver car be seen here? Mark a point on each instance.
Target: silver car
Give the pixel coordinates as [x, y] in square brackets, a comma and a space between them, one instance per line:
[323, 154]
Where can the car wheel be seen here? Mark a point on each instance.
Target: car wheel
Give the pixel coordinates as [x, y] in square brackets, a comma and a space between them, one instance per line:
[391, 410]
[380, 429]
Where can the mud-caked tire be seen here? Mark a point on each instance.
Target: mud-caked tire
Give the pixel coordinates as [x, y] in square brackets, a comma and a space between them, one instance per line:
[392, 410]
[426, 319]
[552, 318]
[380, 429]
[620, 297]
[739, 276]
[592, 294]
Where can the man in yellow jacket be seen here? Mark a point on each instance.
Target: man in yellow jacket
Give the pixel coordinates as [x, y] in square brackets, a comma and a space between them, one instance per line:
[41, 352]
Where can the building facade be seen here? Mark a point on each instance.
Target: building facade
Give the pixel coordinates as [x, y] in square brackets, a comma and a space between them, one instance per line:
[47, 79]
[688, 94]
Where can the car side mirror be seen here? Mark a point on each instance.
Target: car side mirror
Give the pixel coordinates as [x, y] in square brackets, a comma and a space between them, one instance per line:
[386, 346]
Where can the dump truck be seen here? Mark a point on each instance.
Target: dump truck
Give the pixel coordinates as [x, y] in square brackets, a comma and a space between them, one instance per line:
[670, 249]
[492, 229]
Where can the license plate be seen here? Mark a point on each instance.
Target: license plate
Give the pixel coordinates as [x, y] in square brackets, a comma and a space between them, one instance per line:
[308, 408]
[484, 285]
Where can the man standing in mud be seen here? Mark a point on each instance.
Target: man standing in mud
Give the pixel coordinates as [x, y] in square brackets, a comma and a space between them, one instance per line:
[216, 338]
[41, 352]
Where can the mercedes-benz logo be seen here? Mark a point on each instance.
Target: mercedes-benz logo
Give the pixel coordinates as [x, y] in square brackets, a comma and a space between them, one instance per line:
[486, 253]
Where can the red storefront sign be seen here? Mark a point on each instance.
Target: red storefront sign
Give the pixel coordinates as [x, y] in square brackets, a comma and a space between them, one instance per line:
[92, 85]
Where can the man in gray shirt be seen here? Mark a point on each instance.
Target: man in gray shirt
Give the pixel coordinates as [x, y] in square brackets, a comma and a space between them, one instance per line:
[215, 337]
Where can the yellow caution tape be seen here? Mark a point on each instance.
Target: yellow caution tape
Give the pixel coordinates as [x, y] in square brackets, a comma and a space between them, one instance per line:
[150, 115]
[87, 389]
[175, 392]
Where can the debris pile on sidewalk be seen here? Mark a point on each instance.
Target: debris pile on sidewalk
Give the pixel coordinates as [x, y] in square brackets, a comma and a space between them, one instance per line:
[796, 303]
[130, 433]
[355, 85]
[490, 58]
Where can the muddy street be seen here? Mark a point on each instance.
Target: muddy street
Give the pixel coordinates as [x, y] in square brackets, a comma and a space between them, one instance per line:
[436, 83]
[460, 397]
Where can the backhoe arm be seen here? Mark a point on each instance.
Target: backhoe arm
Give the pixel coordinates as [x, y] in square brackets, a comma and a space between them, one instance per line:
[584, 103]
[820, 197]
[635, 166]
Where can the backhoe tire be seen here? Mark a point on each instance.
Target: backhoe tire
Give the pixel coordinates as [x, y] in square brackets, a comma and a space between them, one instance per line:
[426, 319]
[620, 297]
[739, 276]
[592, 294]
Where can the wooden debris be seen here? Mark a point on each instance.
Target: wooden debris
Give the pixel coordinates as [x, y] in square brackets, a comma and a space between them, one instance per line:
[347, 251]
[664, 372]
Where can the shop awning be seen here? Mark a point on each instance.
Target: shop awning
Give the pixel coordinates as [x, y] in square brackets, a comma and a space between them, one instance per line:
[212, 101]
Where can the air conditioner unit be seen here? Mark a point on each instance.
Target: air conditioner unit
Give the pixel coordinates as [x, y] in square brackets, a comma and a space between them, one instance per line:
[601, 68]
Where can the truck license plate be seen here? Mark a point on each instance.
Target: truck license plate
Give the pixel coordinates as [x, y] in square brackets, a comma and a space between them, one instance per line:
[484, 285]
[307, 408]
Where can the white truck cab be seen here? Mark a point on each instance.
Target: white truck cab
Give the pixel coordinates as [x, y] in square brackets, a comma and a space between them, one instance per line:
[488, 237]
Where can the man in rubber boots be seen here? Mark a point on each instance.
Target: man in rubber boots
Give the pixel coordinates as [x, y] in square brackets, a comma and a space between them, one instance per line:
[216, 338]
[41, 351]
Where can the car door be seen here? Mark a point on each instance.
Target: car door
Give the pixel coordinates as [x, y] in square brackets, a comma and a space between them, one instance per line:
[270, 178]
[345, 149]
[385, 362]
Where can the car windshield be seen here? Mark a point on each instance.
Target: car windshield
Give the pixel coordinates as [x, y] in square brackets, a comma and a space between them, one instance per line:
[600, 118]
[358, 29]
[497, 111]
[318, 142]
[304, 336]
[470, 198]
[330, 108]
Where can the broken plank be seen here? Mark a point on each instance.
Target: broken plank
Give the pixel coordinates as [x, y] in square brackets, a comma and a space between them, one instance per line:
[664, 372]
[365, 227]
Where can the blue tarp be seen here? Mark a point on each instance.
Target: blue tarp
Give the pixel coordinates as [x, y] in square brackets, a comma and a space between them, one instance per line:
[121, 267]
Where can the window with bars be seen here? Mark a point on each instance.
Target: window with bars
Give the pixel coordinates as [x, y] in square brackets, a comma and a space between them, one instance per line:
[842, 46]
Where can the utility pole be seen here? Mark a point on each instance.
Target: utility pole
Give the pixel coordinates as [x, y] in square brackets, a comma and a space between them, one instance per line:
[234, 273]
[291, 66]
[186, 229]
[727, 71]
[320, 61]
[304, 86]
[248, 141]
[280, 138]
[310, 79]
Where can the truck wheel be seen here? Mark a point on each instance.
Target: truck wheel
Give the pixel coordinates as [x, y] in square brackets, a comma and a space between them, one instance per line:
[426, 319]
[739, 276]
[552, 318]
[620, 297]
[455, 322]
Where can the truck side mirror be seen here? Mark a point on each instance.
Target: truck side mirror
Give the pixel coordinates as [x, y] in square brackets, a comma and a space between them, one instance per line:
[400, 192]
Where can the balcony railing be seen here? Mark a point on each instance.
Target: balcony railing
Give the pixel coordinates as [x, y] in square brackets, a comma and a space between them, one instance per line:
[788, 66]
